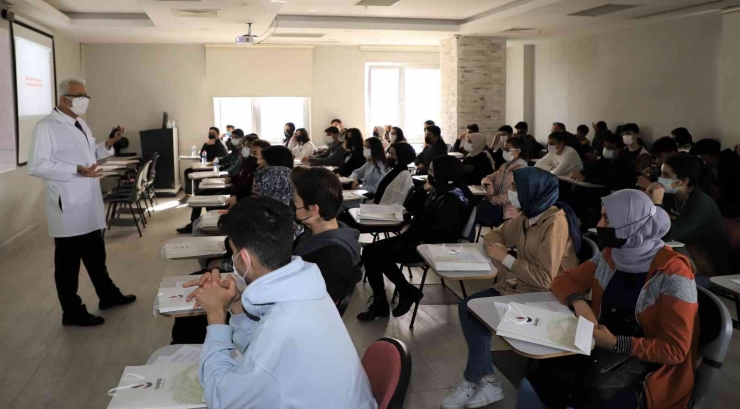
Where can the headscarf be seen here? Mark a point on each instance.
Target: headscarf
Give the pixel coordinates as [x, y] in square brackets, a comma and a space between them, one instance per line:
[449, 176]
[291, 126]
[637, 219]
[538, 191]
[479, 142]
[405, 154]
[380, 132]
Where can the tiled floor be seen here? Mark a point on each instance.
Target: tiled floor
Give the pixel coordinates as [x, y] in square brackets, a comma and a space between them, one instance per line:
[45, 365]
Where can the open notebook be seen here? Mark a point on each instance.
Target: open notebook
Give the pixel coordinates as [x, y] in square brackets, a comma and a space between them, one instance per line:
[195, 247]
[165, 386]
[458, 258]
[210, 219]
[392, 212]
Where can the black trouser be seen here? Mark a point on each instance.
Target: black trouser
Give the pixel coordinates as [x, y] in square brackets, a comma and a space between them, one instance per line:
[68, 251]
[188, 182]
[381, 257]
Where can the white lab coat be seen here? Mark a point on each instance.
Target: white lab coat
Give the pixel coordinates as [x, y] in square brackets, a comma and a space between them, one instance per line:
[57, 147]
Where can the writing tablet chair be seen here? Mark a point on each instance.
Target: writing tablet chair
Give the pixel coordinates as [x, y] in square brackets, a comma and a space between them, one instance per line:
[345, 301]
[127, 197]
[714, 340]
[588, 249]
[387, 364]
[149, 183]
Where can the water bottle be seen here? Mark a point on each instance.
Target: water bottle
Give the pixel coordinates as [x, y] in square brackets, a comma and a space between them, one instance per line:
[193, 151]
[215, 166]
[203, 158]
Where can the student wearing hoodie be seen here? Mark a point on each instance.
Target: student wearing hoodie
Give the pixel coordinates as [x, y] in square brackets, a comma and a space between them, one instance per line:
[326, 242]
[334, 156]
[285, 344]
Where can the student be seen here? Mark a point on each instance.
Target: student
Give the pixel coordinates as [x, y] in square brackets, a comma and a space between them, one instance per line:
[558, 127]
[639, 156]
[581, 133]
[600, 132]
[546, 236]
[695, 218]
[445, 210]
[396, 184]
[379, 132]
[497, 207]
[329, 244]
[721, 175]
[434, 146]
[643, 306]
[460, 141]
[478, 163]
[288, 132]
[232, 162]
[334, 156]
[375, 168]
[213, 147]
[272, 177]
[661, 149]
[683, 139]
[532, 148]
[226, 138]
[504, 133]
[337, 123]
[428, 123]
[560, 159]
[353, 153]
[301, 145]
[614, 170]
[285, 339]
[396, 136]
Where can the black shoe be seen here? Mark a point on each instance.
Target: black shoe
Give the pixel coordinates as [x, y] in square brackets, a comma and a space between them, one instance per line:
[186, 230]
[116, 301]
[405, 301]
[83, 319]
[373, 312]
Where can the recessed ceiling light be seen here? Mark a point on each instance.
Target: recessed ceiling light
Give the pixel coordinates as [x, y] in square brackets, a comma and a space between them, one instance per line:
[312, 10]
[279, 1]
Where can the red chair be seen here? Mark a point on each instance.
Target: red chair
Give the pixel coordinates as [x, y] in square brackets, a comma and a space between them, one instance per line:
[388, 366]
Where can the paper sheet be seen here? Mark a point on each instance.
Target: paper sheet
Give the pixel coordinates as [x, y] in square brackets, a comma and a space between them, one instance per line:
[458, 258]
[735, 281]
[554, 306]
[584, 335]
[186, 353]
[171, 386]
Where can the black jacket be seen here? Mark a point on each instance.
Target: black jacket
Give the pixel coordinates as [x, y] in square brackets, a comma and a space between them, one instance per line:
[430, 152]
[352, 160]
[214, 151]
[476, 168]
[438, 218]
[616, 174]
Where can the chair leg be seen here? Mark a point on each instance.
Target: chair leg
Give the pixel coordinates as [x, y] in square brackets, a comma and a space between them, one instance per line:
[421, 288]
[131, 208]
[113, 214]
[141, 213]
[411, 277]
[480, 233]
[462, 287]
[107, 213]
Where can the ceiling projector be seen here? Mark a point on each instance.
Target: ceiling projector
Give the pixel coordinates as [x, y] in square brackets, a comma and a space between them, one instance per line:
[246, 38]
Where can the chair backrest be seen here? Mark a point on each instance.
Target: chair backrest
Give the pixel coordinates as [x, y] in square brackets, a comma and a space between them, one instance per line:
[344, 302]
[588, 249]
[388, 366]
[714, 340]
[469, 226]
[152, 169]
[141, 175]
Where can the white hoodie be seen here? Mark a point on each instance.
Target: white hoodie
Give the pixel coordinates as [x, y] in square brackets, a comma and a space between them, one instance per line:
[294, 352]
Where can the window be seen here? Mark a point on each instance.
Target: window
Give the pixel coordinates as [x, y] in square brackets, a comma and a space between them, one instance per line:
[265, 116]
[403, 95]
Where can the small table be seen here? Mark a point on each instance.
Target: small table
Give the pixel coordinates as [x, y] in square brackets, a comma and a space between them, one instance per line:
[196, 167]
[189, 157]
[727, 283]
[477, 190]
[420, 178]
[205, 175]
[212, 186]
[218, 201]
[353, 198]
[579, 183]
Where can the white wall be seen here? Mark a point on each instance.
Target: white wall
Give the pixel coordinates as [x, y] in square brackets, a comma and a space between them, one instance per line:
[729, 81]
[23, 203]
[660, 76]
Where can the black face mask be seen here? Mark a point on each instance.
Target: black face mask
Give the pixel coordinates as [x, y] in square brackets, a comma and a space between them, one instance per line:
[608, 235]
[288, 133]
[294, 209]
[375, 134]
[392, 162]
[432, 181]
[428, 140]
[210, 136]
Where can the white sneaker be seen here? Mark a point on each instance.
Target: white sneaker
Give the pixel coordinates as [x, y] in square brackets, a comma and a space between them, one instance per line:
[460, 395]
[488, 391]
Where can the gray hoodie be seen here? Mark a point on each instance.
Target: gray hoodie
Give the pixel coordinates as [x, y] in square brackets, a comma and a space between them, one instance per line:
[344, 236]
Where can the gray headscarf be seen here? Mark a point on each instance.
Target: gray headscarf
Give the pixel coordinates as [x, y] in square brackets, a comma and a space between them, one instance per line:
[637, 219]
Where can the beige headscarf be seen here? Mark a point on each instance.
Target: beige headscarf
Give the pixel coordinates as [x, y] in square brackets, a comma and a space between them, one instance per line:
[479, 142]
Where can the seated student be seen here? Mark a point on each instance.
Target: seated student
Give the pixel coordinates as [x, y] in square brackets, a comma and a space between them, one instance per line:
[639, 156]
[497, 143]
[532, 148]
[581, 133]
[329, 244]
[443, 215]
[226, 138]
[643, 306]
[434, 146]
[397, 183]
[375, 168]
[339, 125]
[354, 158]
[428, 123]
[614, 170]
[560, 159]
[232, 162]
[571, 140]
[497, 207]
[379, 132]
[683, 139]
[458, 146]
[478, 163]
[288, 132]
[600, 132]
[721, 175]
[300, 144]
[546, 236]
[334, 156]
[272, 177]
[290, 344]
[213, 147]
[661, 149]
[695, 218]
[396, 136]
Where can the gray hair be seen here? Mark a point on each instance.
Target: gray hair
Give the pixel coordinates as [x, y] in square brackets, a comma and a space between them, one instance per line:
[64, 85]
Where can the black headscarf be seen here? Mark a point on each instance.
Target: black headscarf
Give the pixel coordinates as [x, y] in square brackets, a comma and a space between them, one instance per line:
[405, 154]
[448, 175]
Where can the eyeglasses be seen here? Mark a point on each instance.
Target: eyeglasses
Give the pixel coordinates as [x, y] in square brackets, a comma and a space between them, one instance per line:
[78, 96]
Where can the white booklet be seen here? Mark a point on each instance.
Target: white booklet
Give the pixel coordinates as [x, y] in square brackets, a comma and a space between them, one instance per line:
[393, 212]
[174, 299]
[210, 219]
[215, 200]
[350, 195]
[166, 386]
[213, 181]
[477, 190]
[553, 329]
[195, 247]
[343, 180]
[458, 258]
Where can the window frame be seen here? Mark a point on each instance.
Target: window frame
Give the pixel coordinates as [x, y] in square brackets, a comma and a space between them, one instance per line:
[256, 112]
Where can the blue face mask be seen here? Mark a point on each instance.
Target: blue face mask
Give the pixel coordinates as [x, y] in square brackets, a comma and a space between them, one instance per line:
[667, 185]
[228, 133]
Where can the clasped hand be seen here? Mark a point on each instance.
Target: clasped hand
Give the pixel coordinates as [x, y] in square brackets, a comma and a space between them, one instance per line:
[214, 294]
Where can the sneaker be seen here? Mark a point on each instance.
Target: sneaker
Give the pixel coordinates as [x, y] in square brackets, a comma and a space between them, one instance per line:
[487, 393]
[460, 395]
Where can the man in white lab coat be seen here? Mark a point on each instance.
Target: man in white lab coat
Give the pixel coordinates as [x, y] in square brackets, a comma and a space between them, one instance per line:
[64, 154]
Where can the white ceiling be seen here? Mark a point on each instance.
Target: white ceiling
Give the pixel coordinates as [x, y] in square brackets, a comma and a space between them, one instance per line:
[408, 22]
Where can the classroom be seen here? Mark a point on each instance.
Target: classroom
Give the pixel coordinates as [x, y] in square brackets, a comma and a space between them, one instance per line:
[363, 204]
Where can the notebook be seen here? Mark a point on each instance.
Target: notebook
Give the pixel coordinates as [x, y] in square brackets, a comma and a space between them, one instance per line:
[349, 196]
[392, 212]
[213, 181]
[174, 299]
[165, 386]
[458, 258]
[195, 247]
[210, 219]
[217, 200]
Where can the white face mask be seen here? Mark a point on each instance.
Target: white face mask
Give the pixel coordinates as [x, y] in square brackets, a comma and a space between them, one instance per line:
[552, 148]
[367, 153]
[241, 279]
[79, 105]
[628, 139]
[514, 199]
[468, 146]
[667, 185]
[608, 153]
[508, 156]
[393, 138]
[246, 151]
[685, 149]
[237, 142]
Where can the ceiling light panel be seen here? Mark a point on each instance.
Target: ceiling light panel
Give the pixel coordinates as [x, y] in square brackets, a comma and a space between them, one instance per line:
[376, 3]
[605, 9]
[195, 13]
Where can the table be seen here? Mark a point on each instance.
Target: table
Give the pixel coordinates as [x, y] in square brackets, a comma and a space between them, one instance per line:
[204, 175]
[352, 198]
[196, 167]
[211, 214]
[189, 157]
[218, 239]
[120, 162]
[212, 186]
[579, 183]
[218, 201]
[477, 190]
[171, 281]
[727, 283]
[420, 178]
[373, 223]
[485, 310]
